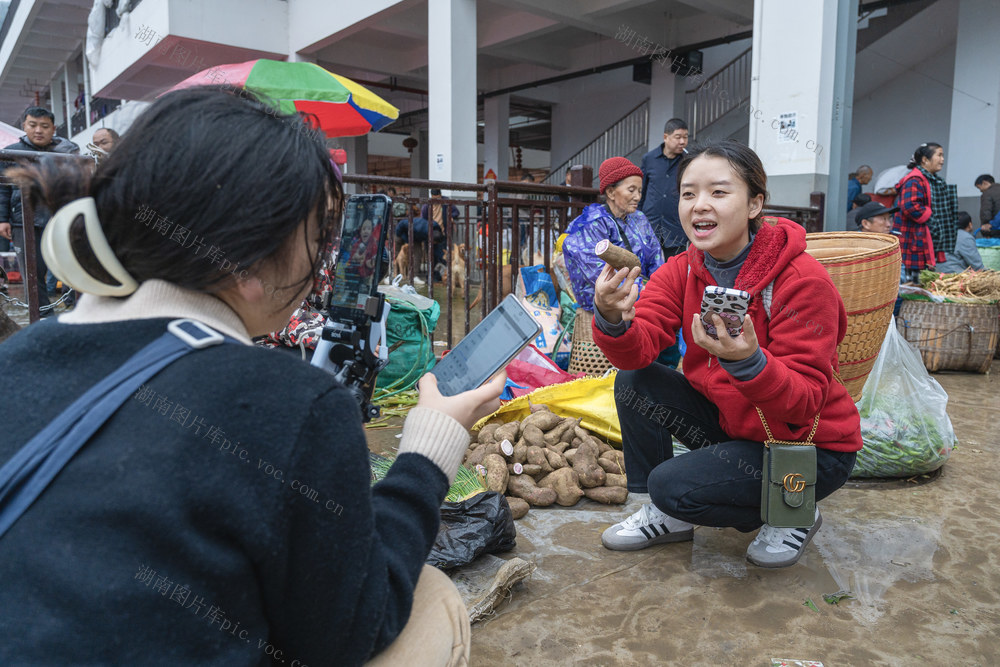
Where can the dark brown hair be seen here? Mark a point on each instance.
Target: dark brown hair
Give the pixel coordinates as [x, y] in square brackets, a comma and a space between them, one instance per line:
[924, 151]
[208, 182]
[744, 162]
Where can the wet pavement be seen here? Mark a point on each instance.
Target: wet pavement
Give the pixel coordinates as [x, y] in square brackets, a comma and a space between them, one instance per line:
[920, 559]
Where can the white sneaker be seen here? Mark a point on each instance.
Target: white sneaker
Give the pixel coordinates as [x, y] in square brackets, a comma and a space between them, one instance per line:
[645, 528]
[781, 547]
[418, 281]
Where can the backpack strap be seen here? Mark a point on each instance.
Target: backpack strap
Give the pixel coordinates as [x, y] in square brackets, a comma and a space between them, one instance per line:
[26, 475]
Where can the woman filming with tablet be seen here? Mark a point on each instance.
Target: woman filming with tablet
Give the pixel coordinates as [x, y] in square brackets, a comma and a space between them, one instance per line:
[775, 381]
[193, 518]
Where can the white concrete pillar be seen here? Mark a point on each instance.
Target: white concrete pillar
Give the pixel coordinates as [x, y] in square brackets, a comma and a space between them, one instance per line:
[71, 81]
[451, 59]
[799, 97]
[87, 90]
[975, 123]
[666, 101]
[57, 91]
[496, 136]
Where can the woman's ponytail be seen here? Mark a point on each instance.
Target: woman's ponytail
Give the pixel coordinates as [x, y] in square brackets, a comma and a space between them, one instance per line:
[53, 182]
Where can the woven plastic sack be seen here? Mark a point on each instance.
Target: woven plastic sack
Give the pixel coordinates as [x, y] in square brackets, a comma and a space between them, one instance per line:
[592, 400]
[411, 322]
[904, 424]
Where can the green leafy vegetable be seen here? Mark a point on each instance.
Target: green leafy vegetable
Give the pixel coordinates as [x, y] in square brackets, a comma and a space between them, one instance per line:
[809, 603]
[467, 482]
[898, 440]
[838, 597]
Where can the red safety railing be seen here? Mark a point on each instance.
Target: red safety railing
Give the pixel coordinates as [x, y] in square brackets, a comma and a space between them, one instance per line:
[494, 219]
[500, 226]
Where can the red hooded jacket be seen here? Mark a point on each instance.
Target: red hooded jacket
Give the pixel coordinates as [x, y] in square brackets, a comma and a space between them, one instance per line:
[800, 340]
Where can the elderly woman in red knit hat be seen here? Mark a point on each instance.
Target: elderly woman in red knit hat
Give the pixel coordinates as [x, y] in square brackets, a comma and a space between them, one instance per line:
[615, 219]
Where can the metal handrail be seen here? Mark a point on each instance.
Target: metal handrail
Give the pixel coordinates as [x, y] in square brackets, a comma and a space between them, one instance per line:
[624, 137]
[719, 94]
[29, 271]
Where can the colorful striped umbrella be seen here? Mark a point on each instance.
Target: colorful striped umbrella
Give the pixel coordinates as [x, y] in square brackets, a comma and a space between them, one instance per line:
[343, 107]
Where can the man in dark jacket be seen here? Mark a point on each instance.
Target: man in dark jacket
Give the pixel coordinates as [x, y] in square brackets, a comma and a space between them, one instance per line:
[40, 136]
[659, 188]
[989, 203]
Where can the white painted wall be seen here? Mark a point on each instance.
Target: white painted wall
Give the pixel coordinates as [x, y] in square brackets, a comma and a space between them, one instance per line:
[119, 120]
[120, 49]
[314, 21]
[976, 97]
[913, 108]
[793, 73]
[588, 106]
[263, 26]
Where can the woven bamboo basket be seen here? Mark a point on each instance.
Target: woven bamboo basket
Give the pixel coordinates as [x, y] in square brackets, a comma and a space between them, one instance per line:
[864, 268]
[951, 336]
[585, 356]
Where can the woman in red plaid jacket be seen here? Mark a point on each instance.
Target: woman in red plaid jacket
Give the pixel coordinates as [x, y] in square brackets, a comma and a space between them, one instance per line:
[914, 202]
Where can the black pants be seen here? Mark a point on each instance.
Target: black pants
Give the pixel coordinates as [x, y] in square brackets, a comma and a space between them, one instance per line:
[719, 482]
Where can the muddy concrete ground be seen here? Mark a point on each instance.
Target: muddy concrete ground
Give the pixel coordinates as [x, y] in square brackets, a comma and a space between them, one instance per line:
[921, 561]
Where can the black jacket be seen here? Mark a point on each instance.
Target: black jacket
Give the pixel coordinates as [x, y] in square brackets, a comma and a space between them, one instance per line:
[989, 203]
[221, 515]
[10, 196]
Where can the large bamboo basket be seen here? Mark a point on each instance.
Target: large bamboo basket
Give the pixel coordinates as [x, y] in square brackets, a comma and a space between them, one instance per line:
[585, 356]
[951, 336]
[865, 269]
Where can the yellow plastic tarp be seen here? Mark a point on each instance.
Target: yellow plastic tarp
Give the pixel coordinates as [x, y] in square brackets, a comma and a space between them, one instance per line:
[592, 400]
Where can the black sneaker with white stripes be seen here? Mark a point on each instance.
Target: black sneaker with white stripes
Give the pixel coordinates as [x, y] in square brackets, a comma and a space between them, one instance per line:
[781, 547]
[645, 528]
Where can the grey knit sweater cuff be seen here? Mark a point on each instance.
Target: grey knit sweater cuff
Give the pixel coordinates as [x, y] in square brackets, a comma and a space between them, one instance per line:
[437, 436]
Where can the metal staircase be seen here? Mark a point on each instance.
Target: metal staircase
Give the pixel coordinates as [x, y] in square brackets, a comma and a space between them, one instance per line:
[711, 108]
[627, 137]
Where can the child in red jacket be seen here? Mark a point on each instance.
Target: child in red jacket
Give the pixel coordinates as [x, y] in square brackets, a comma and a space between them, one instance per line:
[784, 363]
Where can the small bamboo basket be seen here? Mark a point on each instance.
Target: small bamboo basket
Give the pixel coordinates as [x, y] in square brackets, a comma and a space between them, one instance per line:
[585, 356]
[952, 336]
[864, 268]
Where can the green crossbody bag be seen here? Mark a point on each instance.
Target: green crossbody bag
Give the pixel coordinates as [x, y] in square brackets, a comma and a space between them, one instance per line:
[788, 492]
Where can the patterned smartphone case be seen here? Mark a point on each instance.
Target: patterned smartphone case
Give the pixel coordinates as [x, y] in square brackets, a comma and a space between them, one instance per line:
[730, 304]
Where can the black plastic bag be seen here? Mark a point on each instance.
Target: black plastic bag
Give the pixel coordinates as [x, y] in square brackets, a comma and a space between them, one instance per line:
[475, 526]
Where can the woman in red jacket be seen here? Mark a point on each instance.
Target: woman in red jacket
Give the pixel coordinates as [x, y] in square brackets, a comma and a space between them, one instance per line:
[784, 363]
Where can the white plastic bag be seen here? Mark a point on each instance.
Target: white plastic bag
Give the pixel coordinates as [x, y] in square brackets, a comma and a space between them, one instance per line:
[904, 424]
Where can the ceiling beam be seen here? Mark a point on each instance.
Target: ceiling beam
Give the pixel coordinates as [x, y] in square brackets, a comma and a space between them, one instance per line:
[375, 58]
[564, 11]
[737, 11]
[514, 28]
[596, 8]
[533, 53]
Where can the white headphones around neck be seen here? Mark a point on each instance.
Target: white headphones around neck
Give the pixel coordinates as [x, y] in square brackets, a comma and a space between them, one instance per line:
[61, 260]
